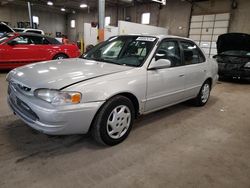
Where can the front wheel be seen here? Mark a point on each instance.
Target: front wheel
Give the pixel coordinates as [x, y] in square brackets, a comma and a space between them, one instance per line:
[203, 95]
[114, 121]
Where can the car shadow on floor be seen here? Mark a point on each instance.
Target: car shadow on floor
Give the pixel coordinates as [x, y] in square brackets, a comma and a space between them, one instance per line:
[28, 143]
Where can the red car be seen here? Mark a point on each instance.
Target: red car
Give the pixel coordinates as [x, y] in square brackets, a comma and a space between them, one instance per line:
[17, 49]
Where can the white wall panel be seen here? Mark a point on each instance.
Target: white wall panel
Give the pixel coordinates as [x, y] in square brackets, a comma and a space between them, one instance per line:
[206, 37]
[206, 50]
[195, 31]
[196, 25]
[219, 31]
[207, 31]
[213, 51]
[205, 44]
[209, 17]
[225, 16]
[221, 24]
[196, 18]
[208, 24]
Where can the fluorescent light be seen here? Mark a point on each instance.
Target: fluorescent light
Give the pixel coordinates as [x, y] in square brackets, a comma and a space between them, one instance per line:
[63, 9]
[50, 3]
[83, 5]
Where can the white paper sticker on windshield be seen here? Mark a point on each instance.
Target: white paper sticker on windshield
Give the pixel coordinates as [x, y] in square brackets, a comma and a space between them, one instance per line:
[150, 39]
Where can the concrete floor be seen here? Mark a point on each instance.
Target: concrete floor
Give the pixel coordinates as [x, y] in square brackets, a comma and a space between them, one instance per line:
[182, 146]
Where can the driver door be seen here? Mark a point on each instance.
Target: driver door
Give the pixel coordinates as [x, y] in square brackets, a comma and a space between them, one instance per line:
[165, 86]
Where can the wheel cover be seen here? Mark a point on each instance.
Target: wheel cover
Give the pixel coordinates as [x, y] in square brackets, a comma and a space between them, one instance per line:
[118, 121]
[205, 92]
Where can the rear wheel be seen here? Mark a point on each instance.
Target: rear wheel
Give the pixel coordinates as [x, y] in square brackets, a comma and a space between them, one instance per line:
[203, 95]
[60, 56]
[114, 121]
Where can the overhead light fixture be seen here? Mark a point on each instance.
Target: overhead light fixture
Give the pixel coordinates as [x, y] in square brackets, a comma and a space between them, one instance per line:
[73, 11]
[83, 5]
[63, 9]
[50, 3]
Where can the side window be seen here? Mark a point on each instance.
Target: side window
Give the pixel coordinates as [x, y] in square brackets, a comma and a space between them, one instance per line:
[169, 50]
[35, 40]
[191, 53]
[21, 40]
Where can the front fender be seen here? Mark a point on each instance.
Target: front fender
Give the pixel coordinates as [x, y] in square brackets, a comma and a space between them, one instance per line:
[105, 87]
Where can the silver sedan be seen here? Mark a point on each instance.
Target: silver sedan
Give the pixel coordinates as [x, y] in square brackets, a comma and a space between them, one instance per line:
[105, 90]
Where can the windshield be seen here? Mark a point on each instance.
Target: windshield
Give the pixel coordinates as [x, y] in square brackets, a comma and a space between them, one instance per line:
[5, 37]
[236, 53]
[123, 50]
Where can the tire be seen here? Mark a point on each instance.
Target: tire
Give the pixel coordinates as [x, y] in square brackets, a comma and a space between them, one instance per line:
[111, 128]
[203, 95]
[60, 56]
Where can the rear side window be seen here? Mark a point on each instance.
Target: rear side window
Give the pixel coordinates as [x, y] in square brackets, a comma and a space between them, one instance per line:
[192, 53]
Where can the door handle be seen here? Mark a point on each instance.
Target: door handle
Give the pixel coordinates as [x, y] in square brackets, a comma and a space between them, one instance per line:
[182, 75]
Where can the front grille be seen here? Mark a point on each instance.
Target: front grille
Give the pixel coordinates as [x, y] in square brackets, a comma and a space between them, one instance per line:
[23, 109]
[19, 87]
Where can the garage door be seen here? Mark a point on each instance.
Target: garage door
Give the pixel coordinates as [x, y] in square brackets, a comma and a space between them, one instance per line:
[205, 29]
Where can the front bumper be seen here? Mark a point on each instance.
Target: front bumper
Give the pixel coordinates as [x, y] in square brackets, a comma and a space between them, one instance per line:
[61, 120]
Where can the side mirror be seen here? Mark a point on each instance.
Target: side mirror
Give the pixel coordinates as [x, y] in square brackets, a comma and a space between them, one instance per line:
[159, 64]
[12, 43]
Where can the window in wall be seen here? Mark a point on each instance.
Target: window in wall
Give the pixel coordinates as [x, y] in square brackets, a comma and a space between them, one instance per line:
[73, 23]
[145, 18]
[36, 20]
[107, 20]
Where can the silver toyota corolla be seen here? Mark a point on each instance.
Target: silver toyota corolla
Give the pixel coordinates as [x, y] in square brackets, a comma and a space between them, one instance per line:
[105, 90]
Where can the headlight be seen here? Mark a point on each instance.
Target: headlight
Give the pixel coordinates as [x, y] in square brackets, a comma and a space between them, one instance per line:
[247, 65]
[57, 97]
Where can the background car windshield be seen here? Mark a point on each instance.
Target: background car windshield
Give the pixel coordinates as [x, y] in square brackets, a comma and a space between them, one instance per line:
[123, 50]
[236, 53]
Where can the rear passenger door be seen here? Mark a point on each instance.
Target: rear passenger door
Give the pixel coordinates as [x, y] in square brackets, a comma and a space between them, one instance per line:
[195, 67]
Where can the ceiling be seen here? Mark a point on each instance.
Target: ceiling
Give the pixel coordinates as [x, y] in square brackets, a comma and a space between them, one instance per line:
[74, 5]
[70, 5]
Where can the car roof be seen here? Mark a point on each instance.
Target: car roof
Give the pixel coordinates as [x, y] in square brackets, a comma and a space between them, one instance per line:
[158, 36]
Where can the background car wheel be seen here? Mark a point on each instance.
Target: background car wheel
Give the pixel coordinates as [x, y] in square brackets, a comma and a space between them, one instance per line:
[203, 95]
[114, 121]
[60, 56]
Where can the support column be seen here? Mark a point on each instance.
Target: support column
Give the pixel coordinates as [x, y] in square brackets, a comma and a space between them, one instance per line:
[101, 12]
[30, 15]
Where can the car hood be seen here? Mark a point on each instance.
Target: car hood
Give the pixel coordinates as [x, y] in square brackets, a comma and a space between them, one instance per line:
[58, 74]
[233, 41]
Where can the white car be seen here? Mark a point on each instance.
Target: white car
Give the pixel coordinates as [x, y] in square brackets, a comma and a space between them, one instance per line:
[29, 30]
[105, 90]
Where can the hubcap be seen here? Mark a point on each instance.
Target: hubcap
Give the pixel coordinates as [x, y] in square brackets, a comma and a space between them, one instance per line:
[205, 93]
[118, 121]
